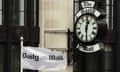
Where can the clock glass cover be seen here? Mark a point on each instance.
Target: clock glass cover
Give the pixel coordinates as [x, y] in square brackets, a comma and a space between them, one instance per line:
[86, 28]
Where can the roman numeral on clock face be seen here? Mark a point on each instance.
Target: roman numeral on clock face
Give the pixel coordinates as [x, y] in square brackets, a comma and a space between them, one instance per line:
[89, 38]
[78, 32]
[93, 33]
[81, 36]
[95, 28]
[78, 28]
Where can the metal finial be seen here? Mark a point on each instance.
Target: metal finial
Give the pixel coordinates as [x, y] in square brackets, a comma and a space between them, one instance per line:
[21, 38]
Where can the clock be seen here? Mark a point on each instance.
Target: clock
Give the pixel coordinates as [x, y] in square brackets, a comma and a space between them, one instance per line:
[88, 29]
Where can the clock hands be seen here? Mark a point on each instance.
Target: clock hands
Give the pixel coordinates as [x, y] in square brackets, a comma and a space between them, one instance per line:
[86, 27]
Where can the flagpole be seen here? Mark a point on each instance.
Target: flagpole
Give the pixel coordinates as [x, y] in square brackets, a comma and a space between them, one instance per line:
[21, 45]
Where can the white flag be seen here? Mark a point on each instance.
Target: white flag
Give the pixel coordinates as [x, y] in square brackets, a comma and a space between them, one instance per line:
[36, 58]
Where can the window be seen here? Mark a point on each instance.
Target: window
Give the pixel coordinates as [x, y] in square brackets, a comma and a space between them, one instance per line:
[35, 9]
[21, 13]
[18, 12]
[0, 12]
[108, 58]
[109, 12]
[1, 57]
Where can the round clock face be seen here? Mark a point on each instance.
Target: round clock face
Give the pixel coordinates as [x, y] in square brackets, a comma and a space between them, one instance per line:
[86, 28]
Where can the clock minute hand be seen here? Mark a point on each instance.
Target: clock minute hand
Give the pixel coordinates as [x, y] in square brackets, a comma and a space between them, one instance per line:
[86, 28]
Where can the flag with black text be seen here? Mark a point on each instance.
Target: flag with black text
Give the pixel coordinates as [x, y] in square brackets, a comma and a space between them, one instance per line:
[36, 58]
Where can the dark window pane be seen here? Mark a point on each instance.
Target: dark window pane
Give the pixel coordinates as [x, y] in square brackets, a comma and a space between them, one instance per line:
[1, 57]
[108, 61]
[35, 15]
[18, 12]
[108, 58]
[15, 8]
[15, 58]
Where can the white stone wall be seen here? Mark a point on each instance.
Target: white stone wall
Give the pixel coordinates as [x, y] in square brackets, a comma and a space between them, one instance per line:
[56, 16]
